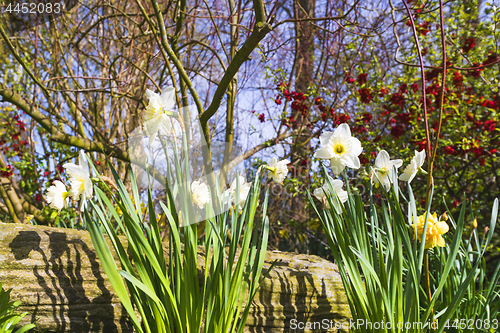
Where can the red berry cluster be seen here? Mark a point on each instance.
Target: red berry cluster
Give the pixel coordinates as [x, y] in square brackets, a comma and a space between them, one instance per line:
[478, 150]
[262, 117]
[492, 58]
[421, 145]
[290, 122]
[360, 129]
[360, 122]
[366, 117]
[458, 79]
[476, 72]
[433, 89]
[349, 78]
[469, 44]
[7, 171]
[490, 125]
[432, 74]
[423, 28]
[365, 94]
[397, 131]
[383, 91]
[490, 104]
[449, 150]
[337, 118]
[398, 99]
[340, 118]
[298, 106]
[15, 146]
[362, 78]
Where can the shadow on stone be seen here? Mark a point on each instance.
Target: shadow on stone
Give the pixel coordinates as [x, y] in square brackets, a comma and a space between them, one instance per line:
[62, 281]
[299, 289]
[56, 275]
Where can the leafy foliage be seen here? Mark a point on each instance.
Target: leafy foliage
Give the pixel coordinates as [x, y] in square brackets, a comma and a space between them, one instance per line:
[8, 317]
[386, 274]
[170, 292]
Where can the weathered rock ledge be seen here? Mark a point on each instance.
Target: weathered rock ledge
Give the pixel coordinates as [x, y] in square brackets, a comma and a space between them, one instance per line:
[56, 275]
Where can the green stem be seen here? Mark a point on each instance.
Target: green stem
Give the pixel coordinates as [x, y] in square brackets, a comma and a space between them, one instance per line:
[428, 284]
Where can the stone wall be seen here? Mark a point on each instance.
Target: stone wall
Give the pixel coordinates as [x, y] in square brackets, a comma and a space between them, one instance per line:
[56, 275]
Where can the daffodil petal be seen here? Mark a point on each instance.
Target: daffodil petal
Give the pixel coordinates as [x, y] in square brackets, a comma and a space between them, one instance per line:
[420, 158]
[382, 159]
[350, 160]
[319, 193]
[356, 148]
[150, 94]
[82, 160]
[153, 125]
[397, 163]
[336, 165]
[325, 152]
[152, 138]
[164, 124]
[325, 138]
[343, 130]
[442, 227]
[168, 98]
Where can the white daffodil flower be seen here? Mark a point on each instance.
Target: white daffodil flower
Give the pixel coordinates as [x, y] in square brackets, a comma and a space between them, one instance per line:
[200, 194]
[226, 198]
[79, 177]
[278, 170]
[320, 194]
[156, 117]
[384, 169]
[415, 165]
[57, 195]
[341, 148]
[230, 196]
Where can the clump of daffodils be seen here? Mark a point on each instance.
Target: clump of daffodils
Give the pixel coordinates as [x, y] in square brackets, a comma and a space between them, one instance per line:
[340, 148]
[436, 228]
[81, 185]
[322, 192]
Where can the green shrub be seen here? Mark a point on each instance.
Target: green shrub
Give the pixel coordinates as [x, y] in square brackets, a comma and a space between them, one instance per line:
[8, 318]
